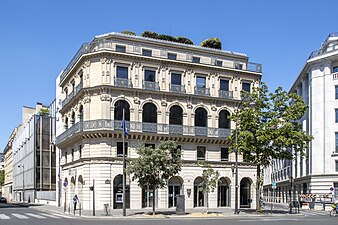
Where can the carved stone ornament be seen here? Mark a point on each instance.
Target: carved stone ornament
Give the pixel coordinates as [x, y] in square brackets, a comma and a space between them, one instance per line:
[163, 67]
[136, 100]
[103, 60]
[190, 71]
[213, 108]
[189, 105]
[135, 64]
[87, 63]
[86, 99]
[106, 97]
[163, 102]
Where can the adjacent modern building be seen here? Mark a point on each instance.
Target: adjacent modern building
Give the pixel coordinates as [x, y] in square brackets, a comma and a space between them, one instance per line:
[169, 91]
[316, 172]
[34, 156]
[8, 167]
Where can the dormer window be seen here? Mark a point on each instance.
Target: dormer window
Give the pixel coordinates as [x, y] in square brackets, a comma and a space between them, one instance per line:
[146, 52]
[218, 63]
[120, 48]
[196, 59]
[172, 56]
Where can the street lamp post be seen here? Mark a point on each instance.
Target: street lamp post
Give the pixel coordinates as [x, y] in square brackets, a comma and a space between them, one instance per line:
[23, 181]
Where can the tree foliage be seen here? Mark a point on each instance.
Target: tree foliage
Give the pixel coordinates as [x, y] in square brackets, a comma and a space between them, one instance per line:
[210, 181]
[268, 128]
[128, 32]
[212, 43]
[154, 167]
[165, 37]
[2, 177]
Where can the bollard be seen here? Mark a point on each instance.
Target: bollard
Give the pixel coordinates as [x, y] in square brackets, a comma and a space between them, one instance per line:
[80, 209]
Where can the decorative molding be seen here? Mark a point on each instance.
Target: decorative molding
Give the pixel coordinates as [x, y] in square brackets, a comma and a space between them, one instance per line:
[106, 97]
[86, 99]
[87, 63]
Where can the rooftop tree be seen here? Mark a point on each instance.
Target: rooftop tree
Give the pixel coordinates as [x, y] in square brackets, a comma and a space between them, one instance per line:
[212, 43]
[154, 167]
[268, 128]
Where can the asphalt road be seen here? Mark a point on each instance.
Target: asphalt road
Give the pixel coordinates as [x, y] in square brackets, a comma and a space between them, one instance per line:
[10, 215]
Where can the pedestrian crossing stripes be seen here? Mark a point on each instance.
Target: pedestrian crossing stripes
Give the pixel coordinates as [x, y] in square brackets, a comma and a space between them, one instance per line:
[26, 216]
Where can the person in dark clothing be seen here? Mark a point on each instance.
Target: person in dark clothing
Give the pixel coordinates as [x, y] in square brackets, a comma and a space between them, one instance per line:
[75, 201]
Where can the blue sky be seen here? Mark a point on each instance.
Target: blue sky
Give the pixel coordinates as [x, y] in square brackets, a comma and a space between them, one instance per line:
[39, 38]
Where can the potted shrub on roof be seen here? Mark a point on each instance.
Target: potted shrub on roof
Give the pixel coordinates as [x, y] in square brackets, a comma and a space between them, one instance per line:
[212, 43]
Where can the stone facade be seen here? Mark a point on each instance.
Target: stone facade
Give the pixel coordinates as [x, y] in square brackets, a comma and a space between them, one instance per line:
[8, 166]
[317, 171]
[170, 92]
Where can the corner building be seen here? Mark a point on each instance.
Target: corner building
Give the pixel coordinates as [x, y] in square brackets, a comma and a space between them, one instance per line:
[169, 91]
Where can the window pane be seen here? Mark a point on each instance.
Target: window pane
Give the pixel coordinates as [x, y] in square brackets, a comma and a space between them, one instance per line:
[336, 88]
[120, 149]
[172, 56]
[176, 115]
[336, 111]
[224, 85]
[122, 72]
[201, 117]
[146, 52]
[246, 86]
[200, 152]
[149, 145]
[224, 154]
[200, 82]
[218, 63]
[118, 110]
[335, 69]
[196, 59]
[120, 48]
[336, 142]
[149, 114]
[149, 75]
[176, 78]
[224, 119]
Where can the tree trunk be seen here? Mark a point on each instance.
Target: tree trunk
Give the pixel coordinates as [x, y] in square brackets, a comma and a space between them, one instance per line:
[258, 188]
[207, 202]
[153, 201]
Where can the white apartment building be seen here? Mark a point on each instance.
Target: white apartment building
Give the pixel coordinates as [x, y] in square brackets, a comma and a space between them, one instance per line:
[317, 172]
[169, 91]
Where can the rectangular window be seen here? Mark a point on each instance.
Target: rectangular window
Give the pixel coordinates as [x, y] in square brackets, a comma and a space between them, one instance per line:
[336, 111]
[224, 85]
[336, 91]
[149, 75]
[224, 154]
[176, 78]
[80, 151]
[120, 48]
[72, 154]
[146, 52]
[122, 72]
[196, 59]
[336, 142]
[246, 86]
[201, 152]
[218, 63]
[149, 145]
[172, 56]
[200, 82]
[336, 165]
[238, 66]
[119, 152]
[335, 185]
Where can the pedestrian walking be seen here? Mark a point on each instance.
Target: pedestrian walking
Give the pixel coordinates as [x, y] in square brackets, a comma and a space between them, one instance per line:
[75, 201]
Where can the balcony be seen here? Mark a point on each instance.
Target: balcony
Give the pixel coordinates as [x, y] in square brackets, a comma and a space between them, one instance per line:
[151, 85]
[202, 91]
[176, 88]
[73, 94]
[225, 94]
[140, 127]
[122, 82]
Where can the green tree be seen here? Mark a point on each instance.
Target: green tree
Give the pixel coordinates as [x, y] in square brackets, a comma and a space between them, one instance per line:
[128, 32]
[210, 181]
[149, 34]
[154, 167]
[212, 43]
[184, 40]
[2, 177]
[268, 128]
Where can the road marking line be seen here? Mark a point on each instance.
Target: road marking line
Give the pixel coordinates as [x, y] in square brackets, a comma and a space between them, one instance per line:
[20, 216]
[4, 217]
[35, 215]
[64, 216]
[49, 215]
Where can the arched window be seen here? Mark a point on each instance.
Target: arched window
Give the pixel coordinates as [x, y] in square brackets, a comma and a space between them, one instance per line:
[72, 121]
[66, 123]
[224, 119]
[118, 113]
[176, 115]
[81, 113]
[201, 117]
[149, 114]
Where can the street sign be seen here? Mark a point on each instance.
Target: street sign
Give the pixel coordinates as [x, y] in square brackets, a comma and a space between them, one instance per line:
[331, 189]
[65, 184]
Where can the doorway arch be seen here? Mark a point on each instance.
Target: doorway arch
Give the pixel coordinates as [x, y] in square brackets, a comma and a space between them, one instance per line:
[245, 193]
[199, 196]
[174, 189]
[224, 191]
[118, 193]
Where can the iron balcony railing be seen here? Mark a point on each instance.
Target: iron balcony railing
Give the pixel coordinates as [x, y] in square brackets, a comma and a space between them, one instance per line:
[225, 94]
[122, 82]
[72, 94]
[202, 91]
[177, 88]
[132, 126]
[110, 45]
[151, 85]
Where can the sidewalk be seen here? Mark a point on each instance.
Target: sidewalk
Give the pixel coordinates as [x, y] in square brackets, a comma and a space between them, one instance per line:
[164, 213]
